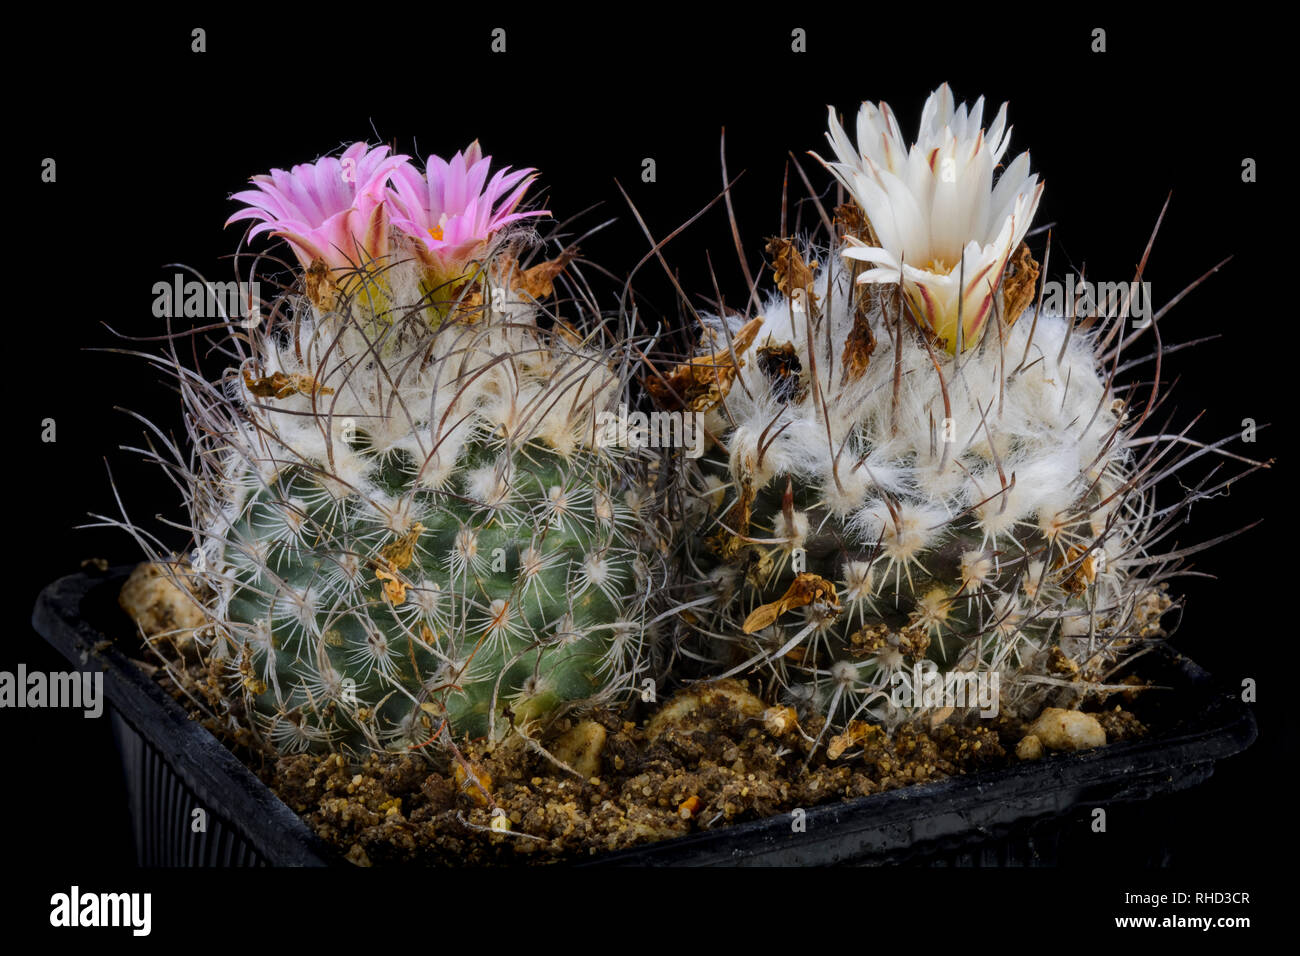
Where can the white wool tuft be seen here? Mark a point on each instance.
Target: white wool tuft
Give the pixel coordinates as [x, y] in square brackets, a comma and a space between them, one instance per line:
[1044, 423]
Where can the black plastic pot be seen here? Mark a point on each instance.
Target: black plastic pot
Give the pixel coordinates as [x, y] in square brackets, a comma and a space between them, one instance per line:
[1028, 814]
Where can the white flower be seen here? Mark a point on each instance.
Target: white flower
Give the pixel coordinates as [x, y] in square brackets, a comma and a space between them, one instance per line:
[935, 212]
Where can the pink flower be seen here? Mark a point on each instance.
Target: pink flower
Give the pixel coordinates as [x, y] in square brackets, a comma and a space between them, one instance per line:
[334, 209]
[451, 210]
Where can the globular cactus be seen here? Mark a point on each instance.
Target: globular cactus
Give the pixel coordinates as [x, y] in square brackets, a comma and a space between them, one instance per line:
[915, 462]
[408, 525]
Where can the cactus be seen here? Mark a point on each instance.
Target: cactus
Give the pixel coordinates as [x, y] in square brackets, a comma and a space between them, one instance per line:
[923, 477]
[407, 525]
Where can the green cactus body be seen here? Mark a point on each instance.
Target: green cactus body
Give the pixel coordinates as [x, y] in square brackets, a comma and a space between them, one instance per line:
[511, 602]
[419, 530]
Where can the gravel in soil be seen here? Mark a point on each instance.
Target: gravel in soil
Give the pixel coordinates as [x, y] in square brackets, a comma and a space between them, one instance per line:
[711, 756]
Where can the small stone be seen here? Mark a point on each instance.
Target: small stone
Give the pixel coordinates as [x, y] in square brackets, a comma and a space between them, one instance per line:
[357, 855]
[1059, 729]
[1029, 748]
[687, 702]
[159, 606]
[580, 747]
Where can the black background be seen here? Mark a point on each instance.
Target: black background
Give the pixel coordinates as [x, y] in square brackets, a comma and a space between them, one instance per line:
[150, 139]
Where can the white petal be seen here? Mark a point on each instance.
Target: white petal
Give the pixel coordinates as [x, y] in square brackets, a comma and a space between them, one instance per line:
[873, 254]
[999, 134]
[1014, 181]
